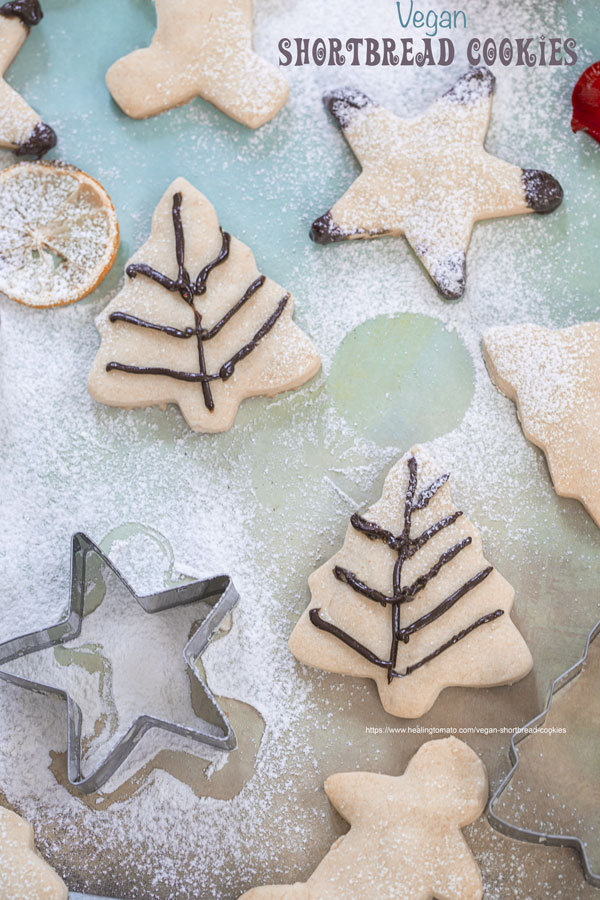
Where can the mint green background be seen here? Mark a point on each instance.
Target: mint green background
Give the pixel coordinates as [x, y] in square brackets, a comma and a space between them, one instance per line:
[78, 41]
[61, 71]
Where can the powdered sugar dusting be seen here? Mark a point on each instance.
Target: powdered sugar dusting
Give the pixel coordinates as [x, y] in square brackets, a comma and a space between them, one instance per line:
[269, 500]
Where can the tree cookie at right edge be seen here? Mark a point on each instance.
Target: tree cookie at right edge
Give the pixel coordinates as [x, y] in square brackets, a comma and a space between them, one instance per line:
[429, 178]
[410, 600]
[200, 50]
[554, 379]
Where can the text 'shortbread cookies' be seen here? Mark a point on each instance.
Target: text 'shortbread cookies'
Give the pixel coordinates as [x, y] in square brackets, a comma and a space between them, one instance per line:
[405, 840]
[410, 600]
[24, 875]
[200, 50]
[21, 129]
[196, 324]
[429, 178]
[554, 379]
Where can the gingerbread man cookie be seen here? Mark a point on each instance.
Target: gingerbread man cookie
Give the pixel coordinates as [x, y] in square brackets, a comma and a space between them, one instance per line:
[554, 379]
[410, 600]
[21, 129]
[24, 875]
[196, 323]
[200, 50]
[405, 840]
[430, 178]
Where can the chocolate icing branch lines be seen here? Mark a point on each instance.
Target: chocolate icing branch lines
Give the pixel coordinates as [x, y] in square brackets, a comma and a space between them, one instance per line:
[430, 492]
[417, 543]
[490, 617]
[200, 285]
[406, 593]
[359, 648]
[408, 502]
[136, 269]
[373, 530]
[188, 290]
[203, 377]
[212, 332]
[423, 580]
[183, 278]
[228, 368]
[198, 377]
[348, 577]
[406, 547]
[182, 284]
[444, 606]
[143, 323]
[206, 391]
[323, 625]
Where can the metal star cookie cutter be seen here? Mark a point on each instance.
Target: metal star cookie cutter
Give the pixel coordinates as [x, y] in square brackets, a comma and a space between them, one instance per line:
[219, 591]
[525, 834]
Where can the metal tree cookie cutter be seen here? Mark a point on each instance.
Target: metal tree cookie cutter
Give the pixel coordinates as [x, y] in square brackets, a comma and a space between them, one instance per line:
[525, 834]
[218, 591]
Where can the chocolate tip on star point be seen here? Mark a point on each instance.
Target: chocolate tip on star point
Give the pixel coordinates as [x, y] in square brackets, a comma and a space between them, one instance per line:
[28, 11]
[476, 83]
[450, 277]
[344, 103]
[41, 139]
[543, 192]
[325, 231]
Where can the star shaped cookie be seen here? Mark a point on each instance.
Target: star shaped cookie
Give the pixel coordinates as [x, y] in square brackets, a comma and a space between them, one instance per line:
[21, 129]
[116, 690]
[405, 840]
[554, 379]
[23, 872]
[429, 178]
[200, 50]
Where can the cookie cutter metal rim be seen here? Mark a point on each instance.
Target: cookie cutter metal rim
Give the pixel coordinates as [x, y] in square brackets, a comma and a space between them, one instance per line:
[525, 834]
[221, 737]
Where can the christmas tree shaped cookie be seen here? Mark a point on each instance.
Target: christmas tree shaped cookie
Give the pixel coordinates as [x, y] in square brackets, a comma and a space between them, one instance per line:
[196, 323]
[21, 129]
[200, 50]
[405, 838]
[554, 379]
[24, 875]
[430, 178]
[410, 600]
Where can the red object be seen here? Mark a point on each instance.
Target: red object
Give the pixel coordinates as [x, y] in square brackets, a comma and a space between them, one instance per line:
[586, 102]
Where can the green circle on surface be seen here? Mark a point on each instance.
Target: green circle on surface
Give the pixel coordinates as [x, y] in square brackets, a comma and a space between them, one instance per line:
[402, 379]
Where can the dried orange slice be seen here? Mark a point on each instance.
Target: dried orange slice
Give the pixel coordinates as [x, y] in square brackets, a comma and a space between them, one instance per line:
[59, 233]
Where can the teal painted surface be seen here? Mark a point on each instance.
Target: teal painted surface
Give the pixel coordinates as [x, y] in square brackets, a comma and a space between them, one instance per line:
[61, 71]
[268, 187]
[402, 379]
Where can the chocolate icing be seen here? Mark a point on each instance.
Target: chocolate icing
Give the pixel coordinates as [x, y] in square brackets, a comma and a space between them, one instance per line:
[343, 103]
[187, 290]
[543, 193]
[41, 139]
[450, 277]
[28, 11]
[325, 231]
[478, 82]
[406, 547]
